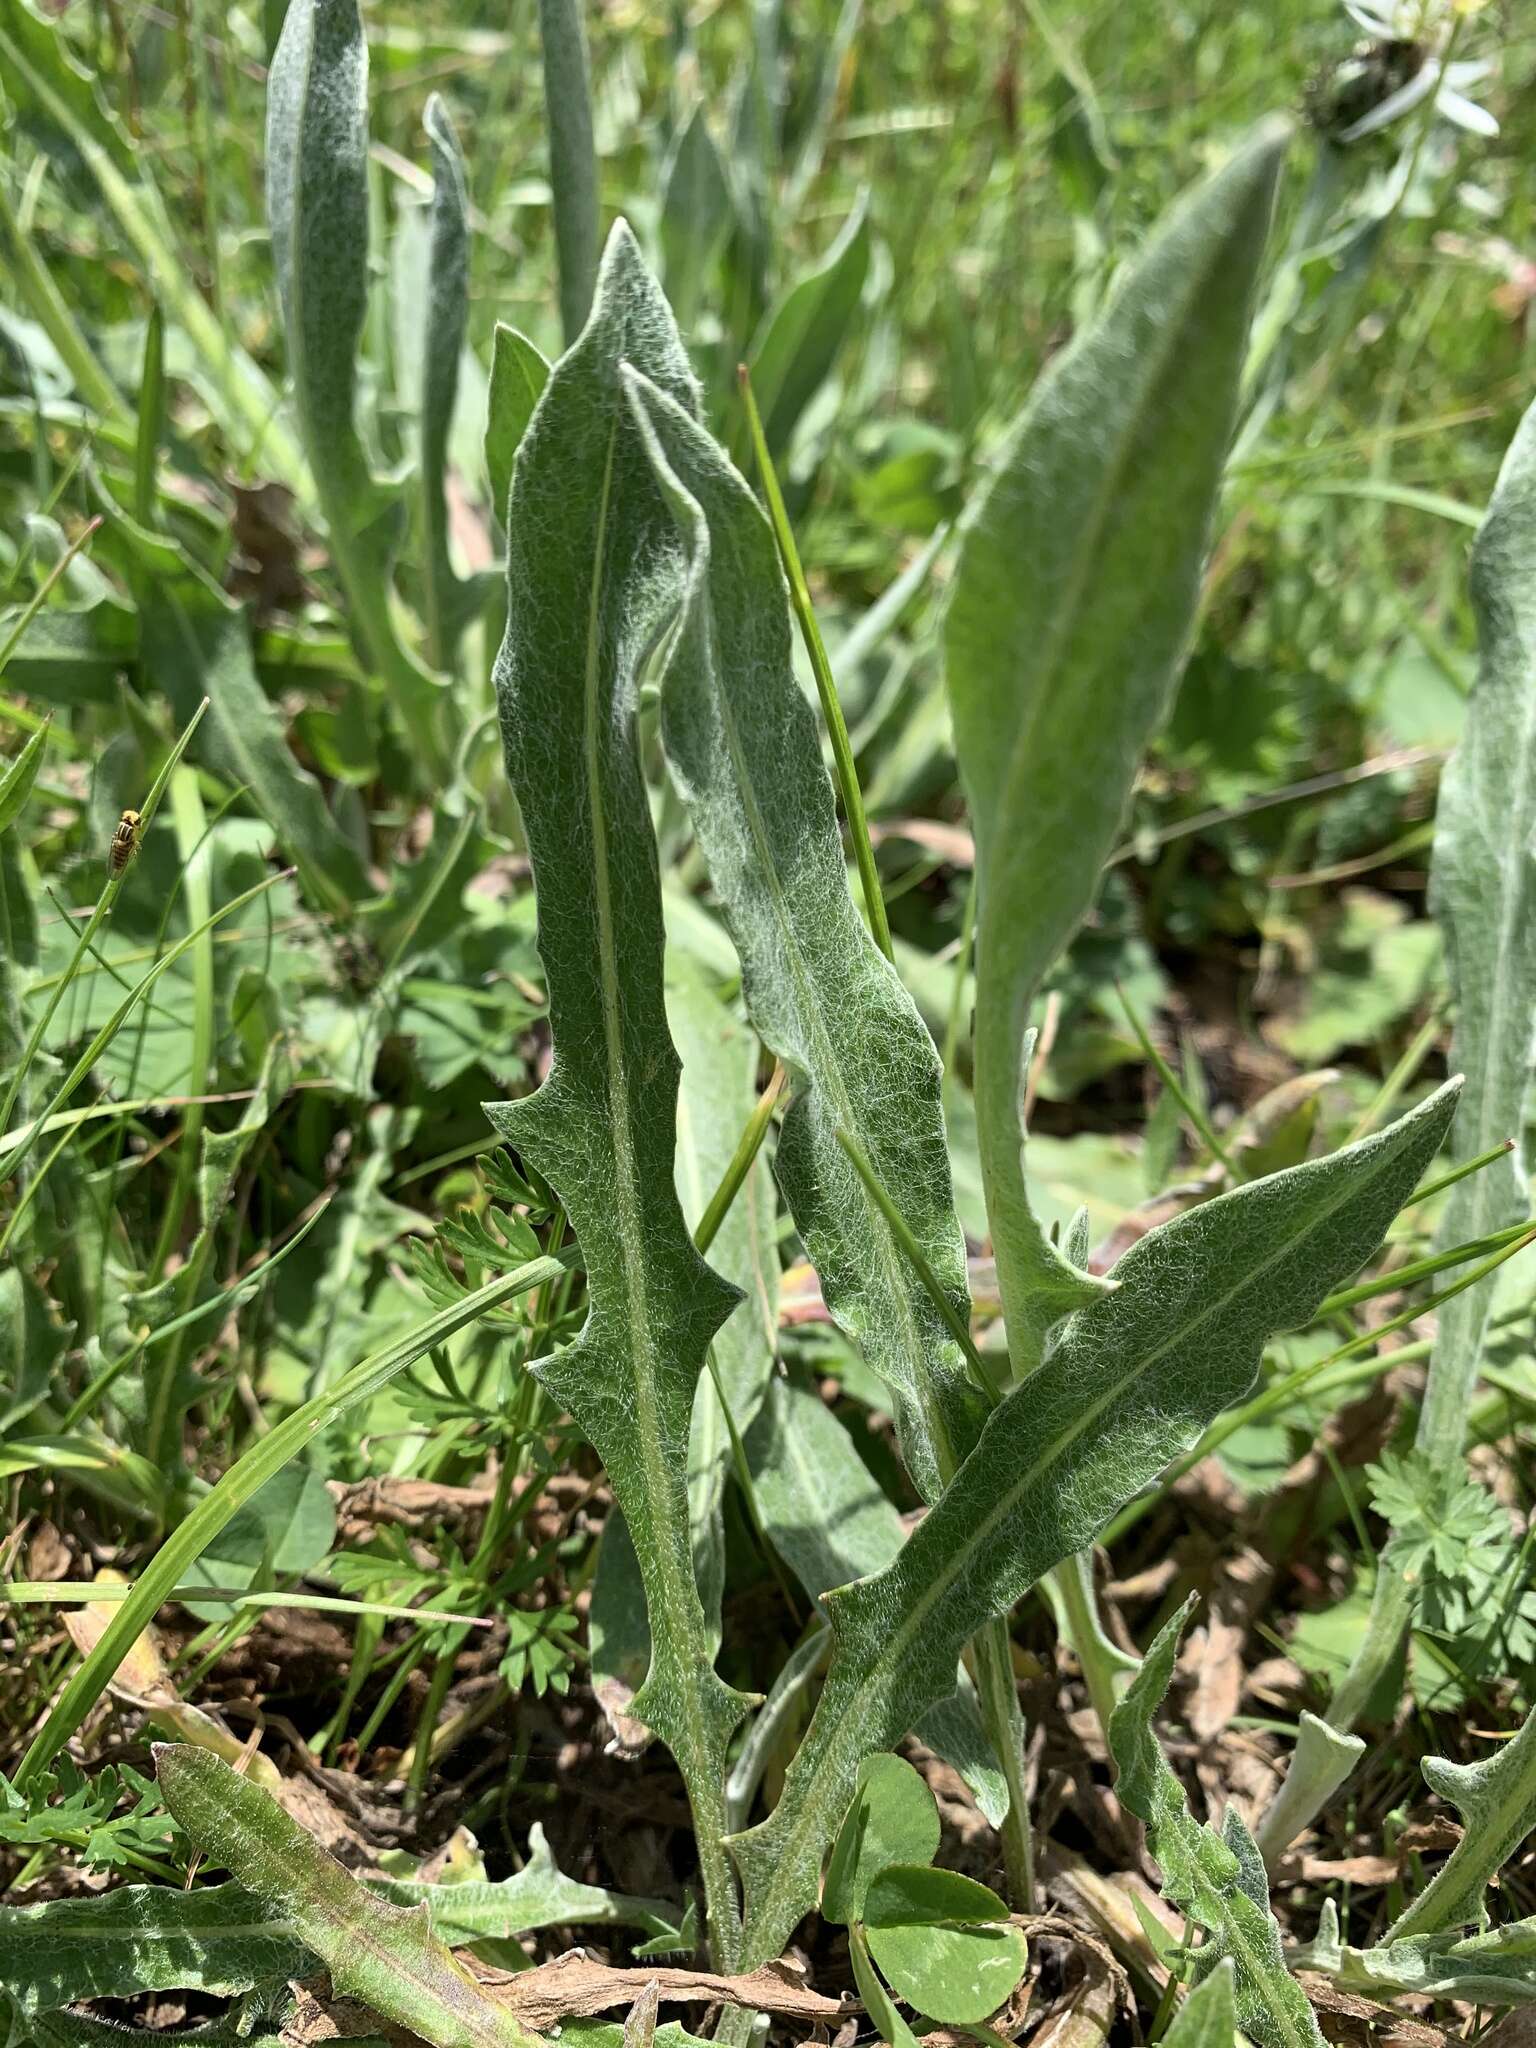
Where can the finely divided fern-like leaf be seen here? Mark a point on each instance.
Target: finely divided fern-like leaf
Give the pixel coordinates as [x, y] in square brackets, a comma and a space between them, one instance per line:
[594, 568]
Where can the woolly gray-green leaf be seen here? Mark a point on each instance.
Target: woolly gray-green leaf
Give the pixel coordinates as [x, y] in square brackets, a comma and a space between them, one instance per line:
[317, 209]
[1133, 1380]
[826, 1515]
[1072, 603]
[1496, 1799]
[1496, 1967]
[1209, 1879]
[519, 373]
[220, 1939]
[1208, 2016]
[446, 599]
[385, 1955]
[1483, 892]
[742, 744]
[1322, 1760]
[594, 567]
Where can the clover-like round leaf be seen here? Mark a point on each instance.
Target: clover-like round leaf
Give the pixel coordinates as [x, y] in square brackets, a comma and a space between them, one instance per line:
[943, 1942]
[892, 1819]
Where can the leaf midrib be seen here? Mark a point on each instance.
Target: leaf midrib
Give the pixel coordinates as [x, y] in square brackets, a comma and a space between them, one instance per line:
[895, 1643]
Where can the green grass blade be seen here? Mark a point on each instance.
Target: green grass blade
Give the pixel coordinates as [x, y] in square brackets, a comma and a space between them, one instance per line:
[1072, 603]
[104, 1038]
[242, 1481]
[93, 924]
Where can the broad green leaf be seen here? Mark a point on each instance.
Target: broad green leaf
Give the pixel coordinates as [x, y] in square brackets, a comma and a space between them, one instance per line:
[1497, 1803]
[317, 209]
[943, 1942]
[1483, 873]
[20, 774]
[1071, 608]
[1133, 1381]
[696, 216]
[519, 373]
[1210, 1879]
[223, 1939]
[804, 334]
[1208, 2016]
[219, 1939]
[892, 1819]
[447, 315]
[74, 656]
[826, 1515]
[878, 2002]
[593, 571]
[387, 1956]
[742, 744]
[1496, 1967]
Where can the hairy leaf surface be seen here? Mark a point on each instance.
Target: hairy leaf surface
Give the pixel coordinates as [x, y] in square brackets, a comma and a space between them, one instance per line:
[743, 747]
[1484, 895]
[317, 208]
[1496, 1967]
[1133, 1381]
[220, 1939]
[593, 568]
[1072, 603]
[1496, 1799]
[387, 1956]
[1218, 1882]
[448, 600]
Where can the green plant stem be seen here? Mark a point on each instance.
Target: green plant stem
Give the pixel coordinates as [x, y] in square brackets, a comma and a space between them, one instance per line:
[821, 668]
[194, 855]
[572, 158]
[1197, 1117]
[168, 1567]
[1398, 1277]
[717, 1208]
[1448, 1180]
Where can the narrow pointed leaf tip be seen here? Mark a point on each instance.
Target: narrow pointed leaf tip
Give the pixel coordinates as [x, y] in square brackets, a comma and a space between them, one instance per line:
[1072, 606]
[594, 569]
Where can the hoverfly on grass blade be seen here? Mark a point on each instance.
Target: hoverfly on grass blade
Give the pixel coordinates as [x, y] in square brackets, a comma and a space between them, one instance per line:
[125, 843]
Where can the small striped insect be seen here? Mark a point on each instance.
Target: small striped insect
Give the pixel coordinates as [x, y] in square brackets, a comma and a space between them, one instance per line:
[125, 843]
